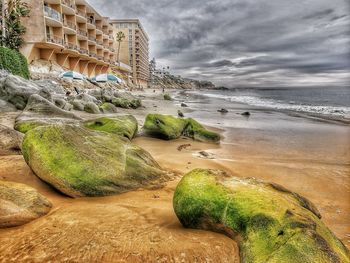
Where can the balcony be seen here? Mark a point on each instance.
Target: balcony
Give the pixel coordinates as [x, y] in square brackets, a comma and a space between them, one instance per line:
[83, 51]
[82, 33]
[70, 46]
[68, 7]
[54, 40]
[81, 16]
[70, 26]
[99, 57]
[54, 18]
[92, 38]
[91, 23]
[99, 42]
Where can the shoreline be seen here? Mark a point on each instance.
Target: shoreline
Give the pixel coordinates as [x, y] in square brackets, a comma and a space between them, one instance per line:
[249, 149]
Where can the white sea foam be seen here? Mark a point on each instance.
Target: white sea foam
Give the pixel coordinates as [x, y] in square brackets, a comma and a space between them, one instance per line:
[273, 104]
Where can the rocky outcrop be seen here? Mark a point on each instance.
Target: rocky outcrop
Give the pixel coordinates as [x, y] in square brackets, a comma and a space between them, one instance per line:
[168, 127]
[125, 126]
[108, 108]
[20, 204]
[39, 112]
[270, 223]
[80, 162]
[92, 108]
[10, 141]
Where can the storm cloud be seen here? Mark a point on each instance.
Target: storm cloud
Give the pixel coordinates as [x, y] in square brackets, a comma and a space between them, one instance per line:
[246, 42]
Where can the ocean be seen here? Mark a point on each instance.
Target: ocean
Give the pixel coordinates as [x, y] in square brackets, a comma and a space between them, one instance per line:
[318, 100]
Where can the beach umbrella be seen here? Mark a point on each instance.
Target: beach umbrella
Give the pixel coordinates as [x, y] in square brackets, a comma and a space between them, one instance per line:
[106, 77]
[72, 74]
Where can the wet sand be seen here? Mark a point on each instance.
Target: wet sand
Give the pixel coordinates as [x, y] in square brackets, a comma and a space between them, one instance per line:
[304, 155]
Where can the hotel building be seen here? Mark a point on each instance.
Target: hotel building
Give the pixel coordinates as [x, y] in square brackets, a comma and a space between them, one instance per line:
[72, 34]
[134, 49]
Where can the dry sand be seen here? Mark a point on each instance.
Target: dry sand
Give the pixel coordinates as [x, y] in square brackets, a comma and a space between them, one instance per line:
[141, 226]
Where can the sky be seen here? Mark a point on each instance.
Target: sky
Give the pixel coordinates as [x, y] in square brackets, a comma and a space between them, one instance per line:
[246, 43]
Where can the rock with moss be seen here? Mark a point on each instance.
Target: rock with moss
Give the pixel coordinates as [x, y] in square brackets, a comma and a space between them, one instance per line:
[40, 112]
[164, 127]
[125, 126]
[167, 97]
[270, 223]
[197, 132]
[127, 103]
[108, 108]
[168, 127]
[20, 204]
[92, 108]
[81, 162]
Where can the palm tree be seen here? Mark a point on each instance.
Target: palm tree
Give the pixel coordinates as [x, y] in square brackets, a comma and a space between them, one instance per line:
[12, 28]
[120, 36]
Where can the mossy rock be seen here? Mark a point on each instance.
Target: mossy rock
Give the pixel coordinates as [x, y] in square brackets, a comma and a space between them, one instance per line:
[270, 223]
[81, 162]
[197, 132]
[92, 108]
[25, 126]
[127, 103]
[167, 97]
[20, 204]
[108, 108]
[125, 126]
[164, 126]
[168, 127]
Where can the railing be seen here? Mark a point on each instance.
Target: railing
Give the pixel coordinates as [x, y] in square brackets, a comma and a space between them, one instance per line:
[68, 3]
[91, 21]
[100, 57]
[99, 27]
[69, 24]
[54, 40]
[69, 45]
[112, 49]
[92, 38]
[100, 42]
[81, 13]
[82, 33]
[52, 13]
[83, 51]
[93, 55]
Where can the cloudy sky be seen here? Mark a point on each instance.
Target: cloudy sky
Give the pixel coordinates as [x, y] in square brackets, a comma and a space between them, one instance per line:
[246, 42]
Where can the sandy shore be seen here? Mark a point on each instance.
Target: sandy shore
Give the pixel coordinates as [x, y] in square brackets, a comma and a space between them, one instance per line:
[304, 155]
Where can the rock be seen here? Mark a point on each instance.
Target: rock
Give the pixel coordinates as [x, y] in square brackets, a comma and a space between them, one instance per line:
[223, 111]
[52, 86]
[127, 103]
[86, 98]
[63, 104]
[81, 162]
[164, 126]
[180, 114]
[168, 127]
[92, 108]
[6, 106]
[270, 223]
[108, 108]
[78, 105]
[20, 204]
[10, 141]
[247, 114]
[167, 97]
[184, 105]
[41, 112]
[17, 91]
[125, 126]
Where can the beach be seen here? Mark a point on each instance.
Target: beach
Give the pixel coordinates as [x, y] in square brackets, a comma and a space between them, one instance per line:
[304, 153]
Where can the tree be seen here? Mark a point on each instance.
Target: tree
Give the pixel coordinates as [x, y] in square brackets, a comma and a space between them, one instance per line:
[120, 36]
[12, 30]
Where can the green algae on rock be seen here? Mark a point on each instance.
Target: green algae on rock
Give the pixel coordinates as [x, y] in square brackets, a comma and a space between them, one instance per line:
[126, 103]
[167, 97]
[81, 162]
[270, 223]
[20, 204]
[125, 126]
[168, 127]
[108, 108]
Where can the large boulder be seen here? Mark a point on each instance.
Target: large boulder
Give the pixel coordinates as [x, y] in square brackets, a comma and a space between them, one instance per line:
[17, 90]
[39, 112]
[108, 108]
[168, 127]
[80, 162]
[92, 108]
[20, 204]
[10, 141]
[125, 126]
[270, 223]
